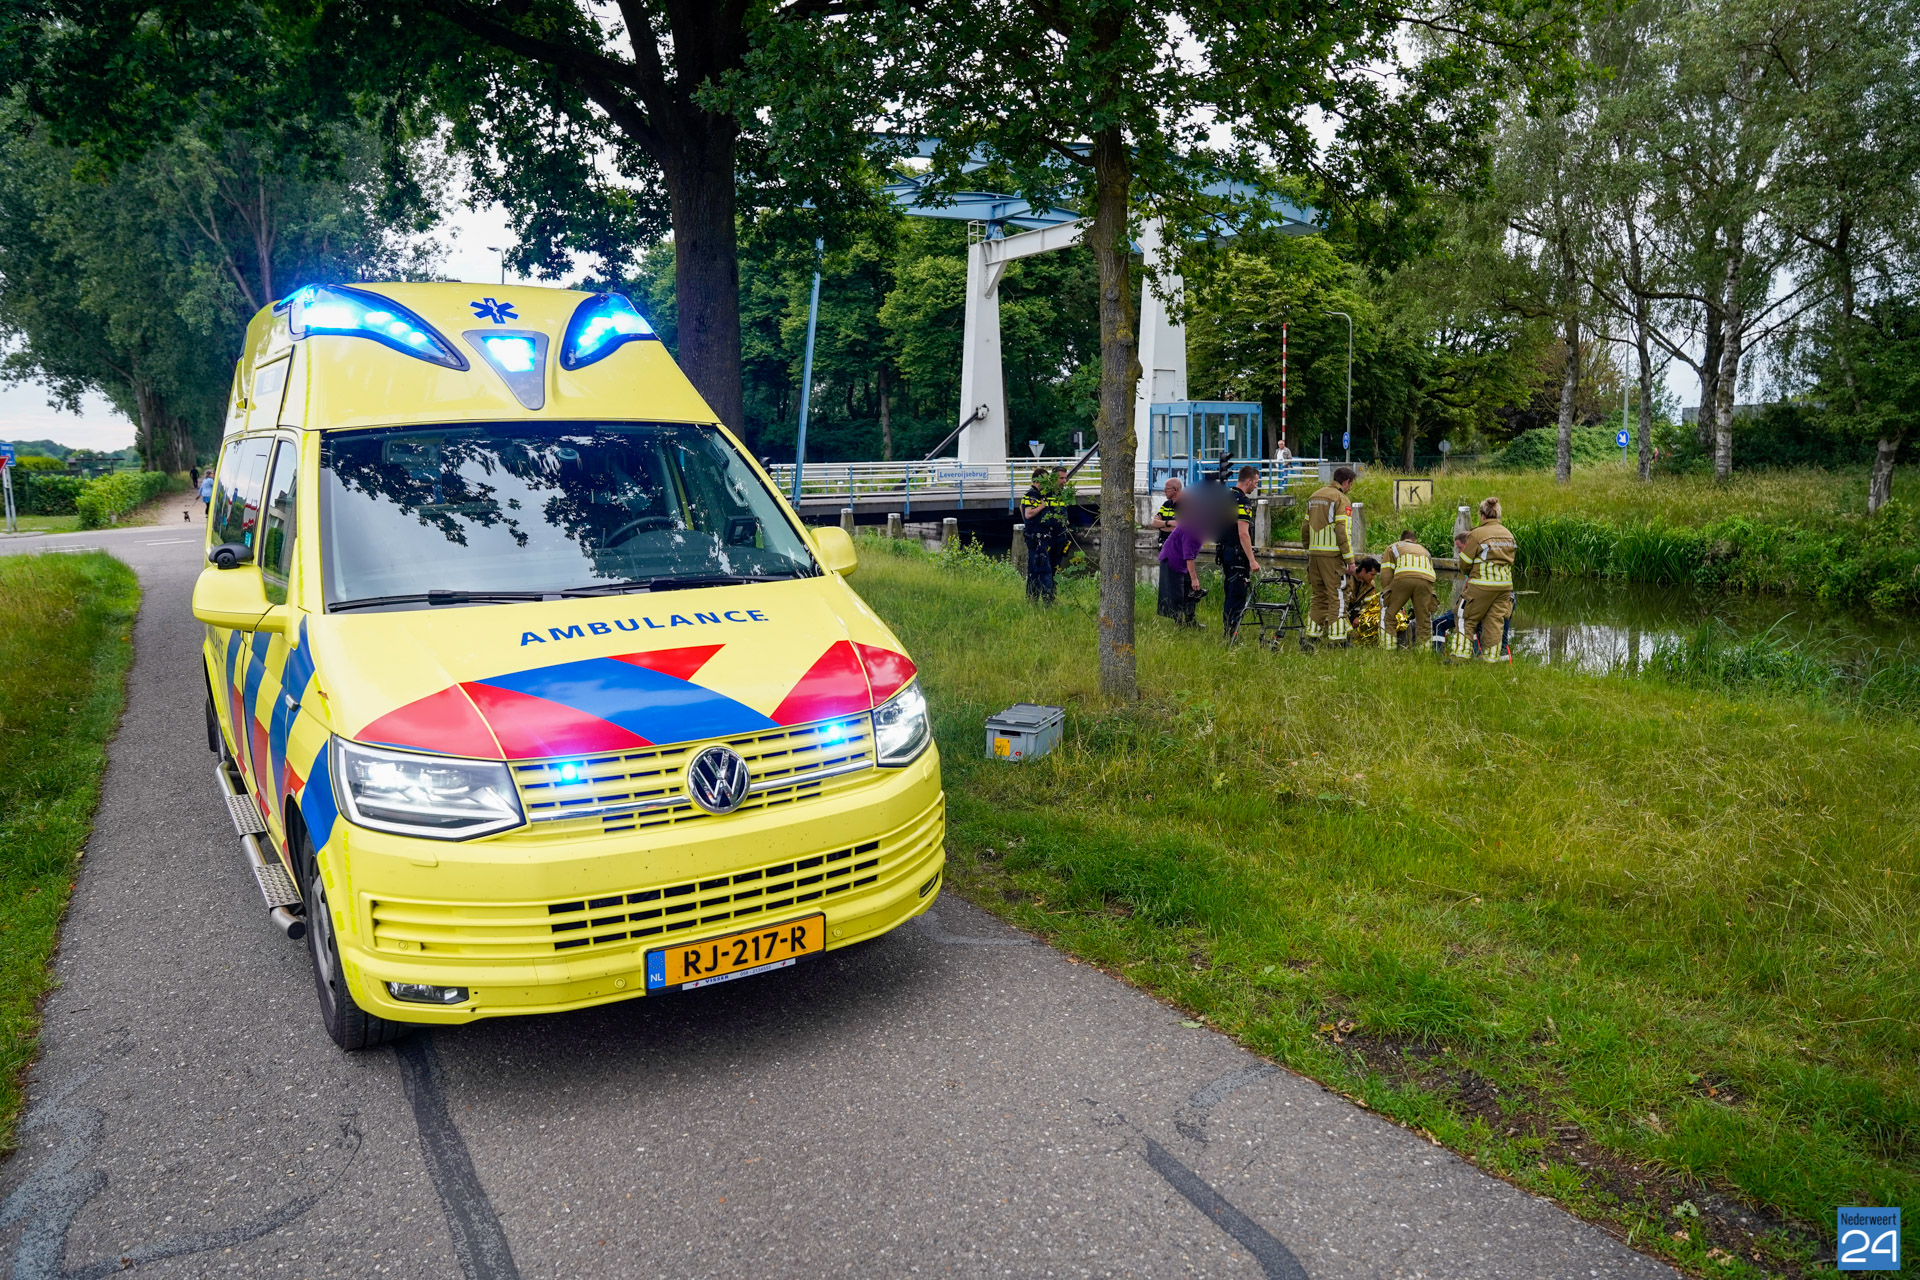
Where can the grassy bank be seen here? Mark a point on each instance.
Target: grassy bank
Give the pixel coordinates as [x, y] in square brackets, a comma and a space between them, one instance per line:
[66, 626]
[1803, 532]
[1645, 949]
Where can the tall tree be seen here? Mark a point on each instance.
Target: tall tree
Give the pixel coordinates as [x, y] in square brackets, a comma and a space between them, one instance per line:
[1136, 109]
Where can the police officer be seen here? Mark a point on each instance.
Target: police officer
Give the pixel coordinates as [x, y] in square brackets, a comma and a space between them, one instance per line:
[1042, 511]
[1328, 535]
[1486, 556]
[1234, 550]
[1406, 574]
[1173, 584]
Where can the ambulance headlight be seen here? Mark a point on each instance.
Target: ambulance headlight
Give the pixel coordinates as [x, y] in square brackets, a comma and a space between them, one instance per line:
[900, 728]
[599, 326]
[440, 797]
[356, 313]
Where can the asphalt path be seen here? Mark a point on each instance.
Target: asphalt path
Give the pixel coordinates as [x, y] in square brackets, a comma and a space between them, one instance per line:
[952, 1099]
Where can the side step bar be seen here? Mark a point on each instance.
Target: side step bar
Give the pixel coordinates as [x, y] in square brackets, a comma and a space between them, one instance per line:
[276, 886]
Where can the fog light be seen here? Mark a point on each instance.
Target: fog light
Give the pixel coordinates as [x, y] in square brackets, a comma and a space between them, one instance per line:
[421, 993]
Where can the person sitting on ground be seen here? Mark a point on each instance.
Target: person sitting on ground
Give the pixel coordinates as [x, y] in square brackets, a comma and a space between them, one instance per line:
[1363, 602]
[1180, 588]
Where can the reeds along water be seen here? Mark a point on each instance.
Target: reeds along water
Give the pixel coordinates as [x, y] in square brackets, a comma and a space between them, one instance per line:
[1875, 680]
[1871, 563]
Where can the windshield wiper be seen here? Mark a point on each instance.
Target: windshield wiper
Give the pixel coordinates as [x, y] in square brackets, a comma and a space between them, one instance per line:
[674, 583]
[438, 597]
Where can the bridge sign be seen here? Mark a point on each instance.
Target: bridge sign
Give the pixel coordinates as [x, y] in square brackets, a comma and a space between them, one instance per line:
[963, 475]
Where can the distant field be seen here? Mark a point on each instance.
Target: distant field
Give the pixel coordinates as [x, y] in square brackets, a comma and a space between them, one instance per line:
[1650, 951]
[1801, 532]
[66, 622]
[1618, 495]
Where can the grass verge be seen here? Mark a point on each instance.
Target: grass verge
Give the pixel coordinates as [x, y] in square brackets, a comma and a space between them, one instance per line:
[66, 630]
[1645, 949]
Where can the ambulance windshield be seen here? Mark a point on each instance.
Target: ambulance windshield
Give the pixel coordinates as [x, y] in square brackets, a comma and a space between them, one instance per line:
[522, 509]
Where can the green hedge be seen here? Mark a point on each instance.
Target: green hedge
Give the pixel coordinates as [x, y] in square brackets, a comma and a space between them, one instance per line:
[1850, 560]
[46, 493]
[102, 502]
[1539, 449]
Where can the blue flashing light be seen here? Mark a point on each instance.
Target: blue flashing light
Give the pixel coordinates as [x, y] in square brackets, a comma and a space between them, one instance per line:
[513, 355]
[355, 313]
[572, 771]
[599, 326]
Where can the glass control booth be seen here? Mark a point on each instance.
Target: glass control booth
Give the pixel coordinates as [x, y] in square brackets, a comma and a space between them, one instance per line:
[1187, 437]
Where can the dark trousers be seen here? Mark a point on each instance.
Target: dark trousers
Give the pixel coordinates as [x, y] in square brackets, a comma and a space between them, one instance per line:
[1040, 585]
[1233, 597]
[1176, 594]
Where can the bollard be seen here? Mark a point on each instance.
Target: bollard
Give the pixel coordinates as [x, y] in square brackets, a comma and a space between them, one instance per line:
[846, 520]
[950, 532]
[895, 526]
[1018, 551]
[1357, 531]
[1143, 508]
[1262, 525]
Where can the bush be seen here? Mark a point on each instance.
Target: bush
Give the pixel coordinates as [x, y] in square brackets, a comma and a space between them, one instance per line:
[46, 493]
[1540, 449]
[102, 502]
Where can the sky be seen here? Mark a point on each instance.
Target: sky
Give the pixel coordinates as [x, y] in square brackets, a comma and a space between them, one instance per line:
[26, 415]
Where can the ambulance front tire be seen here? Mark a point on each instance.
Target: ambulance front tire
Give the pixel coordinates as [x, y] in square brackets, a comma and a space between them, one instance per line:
[349, 1026]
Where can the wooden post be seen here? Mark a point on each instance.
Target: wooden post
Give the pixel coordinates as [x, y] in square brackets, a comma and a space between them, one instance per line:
[1359, 532]
[895, 527]
[1018, 551]
[846, 520]
[950, 532]
[1262, 524]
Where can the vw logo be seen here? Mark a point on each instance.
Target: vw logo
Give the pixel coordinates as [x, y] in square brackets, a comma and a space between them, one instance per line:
[717, 779]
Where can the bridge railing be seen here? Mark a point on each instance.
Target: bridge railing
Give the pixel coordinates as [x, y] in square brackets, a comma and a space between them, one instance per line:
[847, 481]
[946, 476]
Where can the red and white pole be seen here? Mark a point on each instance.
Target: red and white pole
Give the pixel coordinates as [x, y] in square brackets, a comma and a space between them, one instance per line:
[1283, 382]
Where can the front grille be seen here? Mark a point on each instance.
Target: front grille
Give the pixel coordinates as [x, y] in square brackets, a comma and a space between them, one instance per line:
[505, 931]
[635, 790]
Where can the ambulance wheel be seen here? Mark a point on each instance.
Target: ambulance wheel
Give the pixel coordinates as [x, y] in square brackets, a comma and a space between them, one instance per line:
[350, 1026]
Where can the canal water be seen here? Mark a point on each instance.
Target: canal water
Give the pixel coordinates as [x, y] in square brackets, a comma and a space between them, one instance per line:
[1601, 625]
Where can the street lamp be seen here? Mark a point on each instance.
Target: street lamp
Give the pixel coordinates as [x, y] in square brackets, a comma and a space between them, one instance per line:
[1346, 439]
[494, 248]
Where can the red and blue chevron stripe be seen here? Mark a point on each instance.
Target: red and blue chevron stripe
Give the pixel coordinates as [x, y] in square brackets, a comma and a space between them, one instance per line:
[625, 702]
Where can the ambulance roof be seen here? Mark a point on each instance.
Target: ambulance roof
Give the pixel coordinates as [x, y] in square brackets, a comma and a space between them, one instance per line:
[333, 379]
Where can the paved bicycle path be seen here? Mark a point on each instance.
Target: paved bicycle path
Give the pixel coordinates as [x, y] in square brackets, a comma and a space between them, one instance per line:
[951, 1099]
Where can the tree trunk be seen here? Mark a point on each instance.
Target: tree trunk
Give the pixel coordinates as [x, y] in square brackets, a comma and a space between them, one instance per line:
[1709, 378]
[1642, 326]
[1727, 384]
[1880, 483]
[1569, 385]
[1409, 434]
[706, 269]
[1119, 375]
[883, 382]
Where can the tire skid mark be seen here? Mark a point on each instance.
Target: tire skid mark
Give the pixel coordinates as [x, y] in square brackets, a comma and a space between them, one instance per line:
[479, 1243]
[55, 1193]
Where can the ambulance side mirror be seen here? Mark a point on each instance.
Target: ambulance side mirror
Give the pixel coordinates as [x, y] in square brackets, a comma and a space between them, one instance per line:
[229, 555]
[836, 550]
[236, 600]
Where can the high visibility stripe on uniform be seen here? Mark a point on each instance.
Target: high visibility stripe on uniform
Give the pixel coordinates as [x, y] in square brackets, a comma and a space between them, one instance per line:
[1487, 573]
[1459, 643]
[1411, 563]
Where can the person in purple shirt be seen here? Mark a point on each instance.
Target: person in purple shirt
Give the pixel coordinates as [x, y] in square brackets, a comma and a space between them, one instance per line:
[1180, 586]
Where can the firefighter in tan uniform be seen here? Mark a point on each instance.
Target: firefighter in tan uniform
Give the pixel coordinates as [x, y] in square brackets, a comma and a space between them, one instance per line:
[1406, 575]
[1328, 535]
[1486, 556]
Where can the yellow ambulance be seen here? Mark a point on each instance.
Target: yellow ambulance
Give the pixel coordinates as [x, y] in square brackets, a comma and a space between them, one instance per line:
[530, 691]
